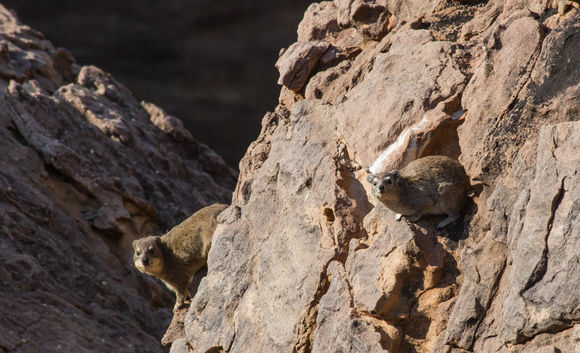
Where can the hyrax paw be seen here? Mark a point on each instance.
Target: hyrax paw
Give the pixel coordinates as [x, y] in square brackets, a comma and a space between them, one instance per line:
[181, 305]
[413, 219]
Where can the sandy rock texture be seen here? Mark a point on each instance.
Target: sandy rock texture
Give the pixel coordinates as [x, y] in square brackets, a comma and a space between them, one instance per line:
[306, 260]
[86, 169]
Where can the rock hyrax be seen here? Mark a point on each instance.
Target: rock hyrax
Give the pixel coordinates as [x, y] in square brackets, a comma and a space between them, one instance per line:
[176, 256]
[430, 185]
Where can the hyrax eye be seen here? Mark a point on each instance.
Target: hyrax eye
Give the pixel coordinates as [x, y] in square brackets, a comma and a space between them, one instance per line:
[388, 181]
[138, 252]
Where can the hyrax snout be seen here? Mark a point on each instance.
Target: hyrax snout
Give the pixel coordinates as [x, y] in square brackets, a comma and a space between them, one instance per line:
[429, 185]
[176, 256]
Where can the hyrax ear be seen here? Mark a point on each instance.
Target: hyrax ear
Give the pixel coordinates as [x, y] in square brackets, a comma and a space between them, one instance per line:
[157, 239]
[396, 177]
[134, 244]
[370, 178]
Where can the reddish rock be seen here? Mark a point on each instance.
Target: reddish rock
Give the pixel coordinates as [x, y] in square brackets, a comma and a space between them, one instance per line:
[370, 18]
[307, 260]
[298, 61]
[319, 22]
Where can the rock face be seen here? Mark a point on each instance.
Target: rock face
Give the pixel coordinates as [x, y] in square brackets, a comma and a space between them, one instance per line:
[208, 62]
[86, 169]
[306, 260]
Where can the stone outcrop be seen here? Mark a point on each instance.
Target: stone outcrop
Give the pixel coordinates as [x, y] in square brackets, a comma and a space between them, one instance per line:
[86, 169]
[306, 260]
[207, 62]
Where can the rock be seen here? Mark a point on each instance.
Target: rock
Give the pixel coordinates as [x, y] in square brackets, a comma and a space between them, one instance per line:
[414, 63]
[179, 346]
[218, 83]
[175, 332]
[210, 322]
[318, 23]
[307, 260]
[167, 123]
[85, 172]
[370, 18]
[490, 93]
[423, 138]
[542, 247]
[298, 61]
[340, 329]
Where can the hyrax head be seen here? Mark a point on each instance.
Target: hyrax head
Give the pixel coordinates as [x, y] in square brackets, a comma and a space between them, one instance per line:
[148, 257]
[385, 184]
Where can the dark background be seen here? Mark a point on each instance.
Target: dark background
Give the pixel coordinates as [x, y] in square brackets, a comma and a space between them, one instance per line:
[209, 63]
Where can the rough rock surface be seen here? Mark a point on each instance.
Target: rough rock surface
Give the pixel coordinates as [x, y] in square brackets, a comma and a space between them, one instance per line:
[86, 169]
[208, 62]
[306, 260]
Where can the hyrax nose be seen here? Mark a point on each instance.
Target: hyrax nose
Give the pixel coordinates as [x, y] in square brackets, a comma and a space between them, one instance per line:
[381, 188]
[145, 261]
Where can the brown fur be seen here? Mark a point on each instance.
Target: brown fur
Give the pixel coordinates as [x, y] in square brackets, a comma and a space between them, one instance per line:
[176, 256]
[429, 185]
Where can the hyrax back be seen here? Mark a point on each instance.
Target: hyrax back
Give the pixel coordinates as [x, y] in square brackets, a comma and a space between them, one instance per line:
[429, 185]
[176, 256]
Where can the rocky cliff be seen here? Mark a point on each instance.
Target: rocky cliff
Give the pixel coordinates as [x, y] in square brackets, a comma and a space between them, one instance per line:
[208, 62]
[85, 169]
[305, 260]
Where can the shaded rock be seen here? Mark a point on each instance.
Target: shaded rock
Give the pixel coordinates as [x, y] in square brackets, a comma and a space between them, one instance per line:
[175, 331]
[165, 122]
[208, 63]
[85, 171]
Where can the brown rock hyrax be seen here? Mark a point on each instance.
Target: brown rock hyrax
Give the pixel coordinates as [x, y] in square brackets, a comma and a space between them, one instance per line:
[176, 256]
[430, 185]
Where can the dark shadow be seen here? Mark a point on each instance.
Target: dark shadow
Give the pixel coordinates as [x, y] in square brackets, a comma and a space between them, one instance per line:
[197, 280]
